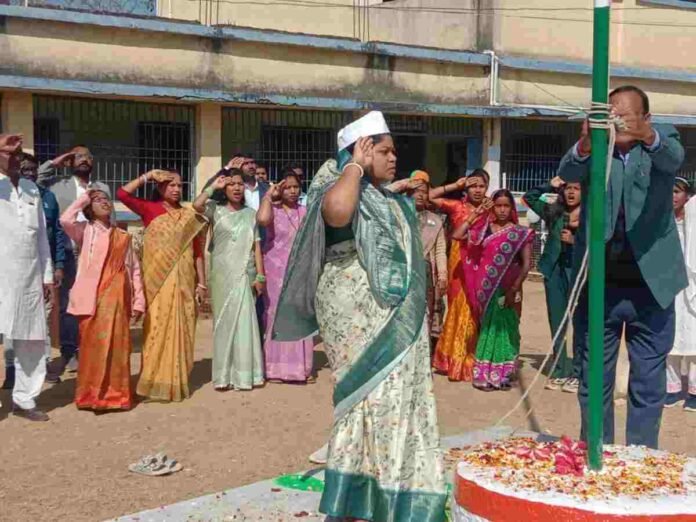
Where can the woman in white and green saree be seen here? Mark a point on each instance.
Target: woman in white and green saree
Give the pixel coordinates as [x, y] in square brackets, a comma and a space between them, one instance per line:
[356, 274]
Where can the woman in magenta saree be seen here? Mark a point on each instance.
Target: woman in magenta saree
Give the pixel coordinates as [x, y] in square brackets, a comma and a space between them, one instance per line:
[282, 216]
[497, 263]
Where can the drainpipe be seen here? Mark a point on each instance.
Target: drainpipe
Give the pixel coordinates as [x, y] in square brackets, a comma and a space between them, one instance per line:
[495, 63]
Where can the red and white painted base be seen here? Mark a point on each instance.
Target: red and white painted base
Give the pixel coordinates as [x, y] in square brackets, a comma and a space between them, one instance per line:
[479, 497]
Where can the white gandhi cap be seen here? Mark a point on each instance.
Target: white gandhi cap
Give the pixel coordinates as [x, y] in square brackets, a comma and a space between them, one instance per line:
[369, 125]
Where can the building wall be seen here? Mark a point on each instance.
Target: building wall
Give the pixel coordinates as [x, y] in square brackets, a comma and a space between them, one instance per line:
[644, 33]
[103, 54]
[447, 24]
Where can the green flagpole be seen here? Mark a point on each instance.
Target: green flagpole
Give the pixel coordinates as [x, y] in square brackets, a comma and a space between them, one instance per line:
[600, 89]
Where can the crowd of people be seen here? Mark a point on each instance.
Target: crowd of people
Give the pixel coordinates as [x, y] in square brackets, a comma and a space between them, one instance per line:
[395, 278]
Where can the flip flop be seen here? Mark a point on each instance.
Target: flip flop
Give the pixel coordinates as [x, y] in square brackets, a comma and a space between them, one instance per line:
[155, 466]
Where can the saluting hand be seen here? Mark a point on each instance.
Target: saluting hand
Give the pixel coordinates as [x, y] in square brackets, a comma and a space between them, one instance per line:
[275, 191]
[363, 152]
[220, 182]
[10, 143]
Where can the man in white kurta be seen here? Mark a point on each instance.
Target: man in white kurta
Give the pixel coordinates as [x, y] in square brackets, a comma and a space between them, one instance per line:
[26, 273]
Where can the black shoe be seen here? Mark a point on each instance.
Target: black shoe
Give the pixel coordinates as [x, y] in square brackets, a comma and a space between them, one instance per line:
[9, 378]
[55, 369]
[32, 414]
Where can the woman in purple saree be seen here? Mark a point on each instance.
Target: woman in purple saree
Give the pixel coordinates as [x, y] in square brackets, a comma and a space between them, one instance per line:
[497, 264]
[282, 215]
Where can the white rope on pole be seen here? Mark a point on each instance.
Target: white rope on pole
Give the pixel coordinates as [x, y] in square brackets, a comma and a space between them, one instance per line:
[604, 120]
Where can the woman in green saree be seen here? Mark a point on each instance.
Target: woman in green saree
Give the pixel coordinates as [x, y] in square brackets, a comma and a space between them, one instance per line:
[236, 279]
[357, 275]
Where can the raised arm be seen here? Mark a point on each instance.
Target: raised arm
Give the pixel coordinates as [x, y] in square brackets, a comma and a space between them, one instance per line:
[264, 216]
[200, 203]
[341, 200]
[48, 171]
[73, 228]
[461, 231]
[668, 154]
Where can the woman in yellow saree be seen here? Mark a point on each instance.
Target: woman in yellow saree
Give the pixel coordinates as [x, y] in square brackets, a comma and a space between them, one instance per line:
[174, 280]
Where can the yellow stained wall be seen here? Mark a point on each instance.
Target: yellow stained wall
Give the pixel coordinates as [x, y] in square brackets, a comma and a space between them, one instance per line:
[554, 89]
[56, 50]
[643, 34]
[425, 23]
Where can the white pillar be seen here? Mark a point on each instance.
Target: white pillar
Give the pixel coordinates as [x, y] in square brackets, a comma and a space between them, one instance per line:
[491, 150]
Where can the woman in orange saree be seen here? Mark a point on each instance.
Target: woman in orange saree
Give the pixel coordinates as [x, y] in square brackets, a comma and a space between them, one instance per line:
[107, 293]
[455, 351]
[174, 282]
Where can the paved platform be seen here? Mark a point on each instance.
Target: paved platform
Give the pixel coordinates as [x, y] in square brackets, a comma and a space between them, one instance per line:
[272, 501]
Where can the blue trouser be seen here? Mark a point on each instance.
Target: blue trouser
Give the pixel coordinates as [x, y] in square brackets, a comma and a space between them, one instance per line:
[649, 337]
[69, 329]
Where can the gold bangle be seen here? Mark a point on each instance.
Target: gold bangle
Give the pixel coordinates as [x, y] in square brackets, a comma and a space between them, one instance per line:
[362, 171]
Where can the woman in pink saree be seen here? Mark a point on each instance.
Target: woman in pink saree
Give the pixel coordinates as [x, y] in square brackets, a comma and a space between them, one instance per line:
[497, 263]
[282, 215]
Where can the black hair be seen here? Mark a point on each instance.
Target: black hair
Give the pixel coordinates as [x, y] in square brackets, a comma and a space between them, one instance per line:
[376, 138]
[30, 158]
[637, 90]
[289, 173]
[292, 165]
[156, 196]
[79, 146]
[480, 173]
[220, 196]
[503, 192]
[87, 211]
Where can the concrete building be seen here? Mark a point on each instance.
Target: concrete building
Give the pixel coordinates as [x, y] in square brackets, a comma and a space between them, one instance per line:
[465, 83]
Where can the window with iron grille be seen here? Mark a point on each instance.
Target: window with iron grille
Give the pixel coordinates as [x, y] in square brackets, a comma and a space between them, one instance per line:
[131, 7]
[165, 146]
[532, 160]
[126, 138]
[307, 147]
[46, 138]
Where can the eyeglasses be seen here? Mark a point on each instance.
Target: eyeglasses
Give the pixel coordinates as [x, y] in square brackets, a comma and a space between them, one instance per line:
[80, 156]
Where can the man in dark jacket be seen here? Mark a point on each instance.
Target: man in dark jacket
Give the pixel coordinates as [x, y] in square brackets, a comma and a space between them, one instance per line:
[644, 264]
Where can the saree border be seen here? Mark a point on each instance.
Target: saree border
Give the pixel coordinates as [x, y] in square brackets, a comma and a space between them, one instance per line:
[360, 496]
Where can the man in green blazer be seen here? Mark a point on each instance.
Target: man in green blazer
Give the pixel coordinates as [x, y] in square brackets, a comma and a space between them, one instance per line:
[644, 265]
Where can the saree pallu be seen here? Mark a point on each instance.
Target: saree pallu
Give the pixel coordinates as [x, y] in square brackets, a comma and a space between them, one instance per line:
[384, 461]
[237, 357]
[492, 267]
[103, 377]
[454, 353]
[169, 277]
[366, 296]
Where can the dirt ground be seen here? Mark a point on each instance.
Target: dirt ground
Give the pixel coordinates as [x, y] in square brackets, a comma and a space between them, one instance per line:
[75, 466]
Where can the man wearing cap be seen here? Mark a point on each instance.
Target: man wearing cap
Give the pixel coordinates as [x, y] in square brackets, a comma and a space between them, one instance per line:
[644, 266]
